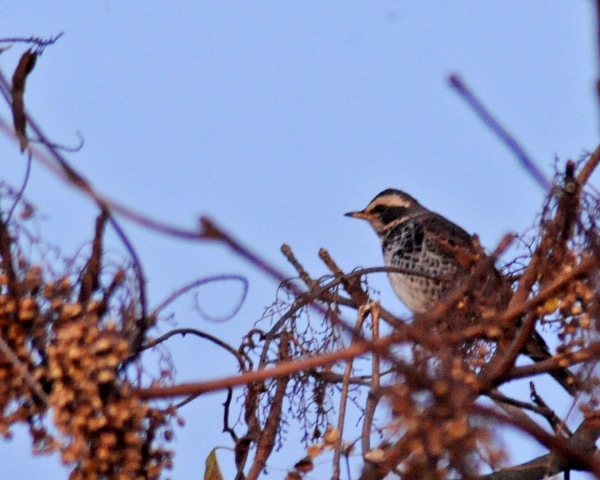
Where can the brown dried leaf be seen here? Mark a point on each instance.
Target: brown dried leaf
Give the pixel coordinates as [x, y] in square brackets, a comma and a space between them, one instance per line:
[24, 68]
[212, 472]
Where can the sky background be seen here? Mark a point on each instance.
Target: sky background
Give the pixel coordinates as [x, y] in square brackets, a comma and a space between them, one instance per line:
[275, 118]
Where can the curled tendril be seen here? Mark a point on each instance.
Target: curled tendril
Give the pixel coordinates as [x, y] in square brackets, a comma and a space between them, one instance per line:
[204, 281]
[236, 308]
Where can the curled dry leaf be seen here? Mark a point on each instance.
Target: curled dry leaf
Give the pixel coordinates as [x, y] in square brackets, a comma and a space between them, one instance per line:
[24, 68]
[305, 465]
[377, 455]
[332, 435]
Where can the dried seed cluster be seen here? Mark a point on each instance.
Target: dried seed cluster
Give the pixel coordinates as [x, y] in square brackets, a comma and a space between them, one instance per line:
[65, 353]
[569, 238]
[437, 437]
[21, 359]
[106, 426]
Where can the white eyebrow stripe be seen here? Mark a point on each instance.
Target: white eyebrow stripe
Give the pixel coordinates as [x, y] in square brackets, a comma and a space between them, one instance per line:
[391, 201]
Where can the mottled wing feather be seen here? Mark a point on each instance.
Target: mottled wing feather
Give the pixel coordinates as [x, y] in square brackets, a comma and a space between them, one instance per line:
[447, 236]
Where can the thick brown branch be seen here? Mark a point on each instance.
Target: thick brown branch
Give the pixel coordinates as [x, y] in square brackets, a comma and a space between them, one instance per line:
[374, 395]
[574, 453]
[583, 355]
[282, 369]
[503, 400]
[266, 440]
[6, 261]
[589, 167]
[90, 278]
[362, 313]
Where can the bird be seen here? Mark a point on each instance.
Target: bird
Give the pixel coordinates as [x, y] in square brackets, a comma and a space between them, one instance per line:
[432, 255]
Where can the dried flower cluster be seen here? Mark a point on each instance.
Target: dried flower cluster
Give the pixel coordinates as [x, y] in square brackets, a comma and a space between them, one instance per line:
[67, 347]
[574, 309]
[20, 336]
[436, 435]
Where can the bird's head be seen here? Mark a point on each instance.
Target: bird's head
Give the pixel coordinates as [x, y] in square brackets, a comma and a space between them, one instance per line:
[387, 209]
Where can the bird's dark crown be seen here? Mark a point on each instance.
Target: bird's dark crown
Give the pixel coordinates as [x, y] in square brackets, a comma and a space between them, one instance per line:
[387, 209]
[391, 195]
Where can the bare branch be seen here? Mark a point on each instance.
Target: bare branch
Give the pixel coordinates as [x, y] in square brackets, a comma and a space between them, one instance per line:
[484, 114]
[589, 167]
[34, 40]
[574, 453]
[374, 395]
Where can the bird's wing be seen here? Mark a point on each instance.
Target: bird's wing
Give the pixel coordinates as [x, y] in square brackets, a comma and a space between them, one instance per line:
[450, 239]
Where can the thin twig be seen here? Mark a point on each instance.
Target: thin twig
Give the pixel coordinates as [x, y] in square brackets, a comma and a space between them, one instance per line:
[486, 116]
[498, 396]
[21, 191]
[304, 276]
[63, 148]
[203, 281]
[39, 42]
[188, 400]
[335, 475]
[207, 336]
[226, 407]
[32, 382]
[374, 394]
[555, 422]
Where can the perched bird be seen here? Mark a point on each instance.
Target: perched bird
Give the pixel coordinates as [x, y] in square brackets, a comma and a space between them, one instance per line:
[435, 255]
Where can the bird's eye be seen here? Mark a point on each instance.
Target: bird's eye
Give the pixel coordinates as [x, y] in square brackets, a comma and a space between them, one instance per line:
[378, 209]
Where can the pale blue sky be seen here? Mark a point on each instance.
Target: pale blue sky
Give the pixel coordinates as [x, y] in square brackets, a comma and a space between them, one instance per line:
[275, 118]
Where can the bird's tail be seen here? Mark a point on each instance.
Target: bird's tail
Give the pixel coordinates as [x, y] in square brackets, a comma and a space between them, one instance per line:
[538, 351]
